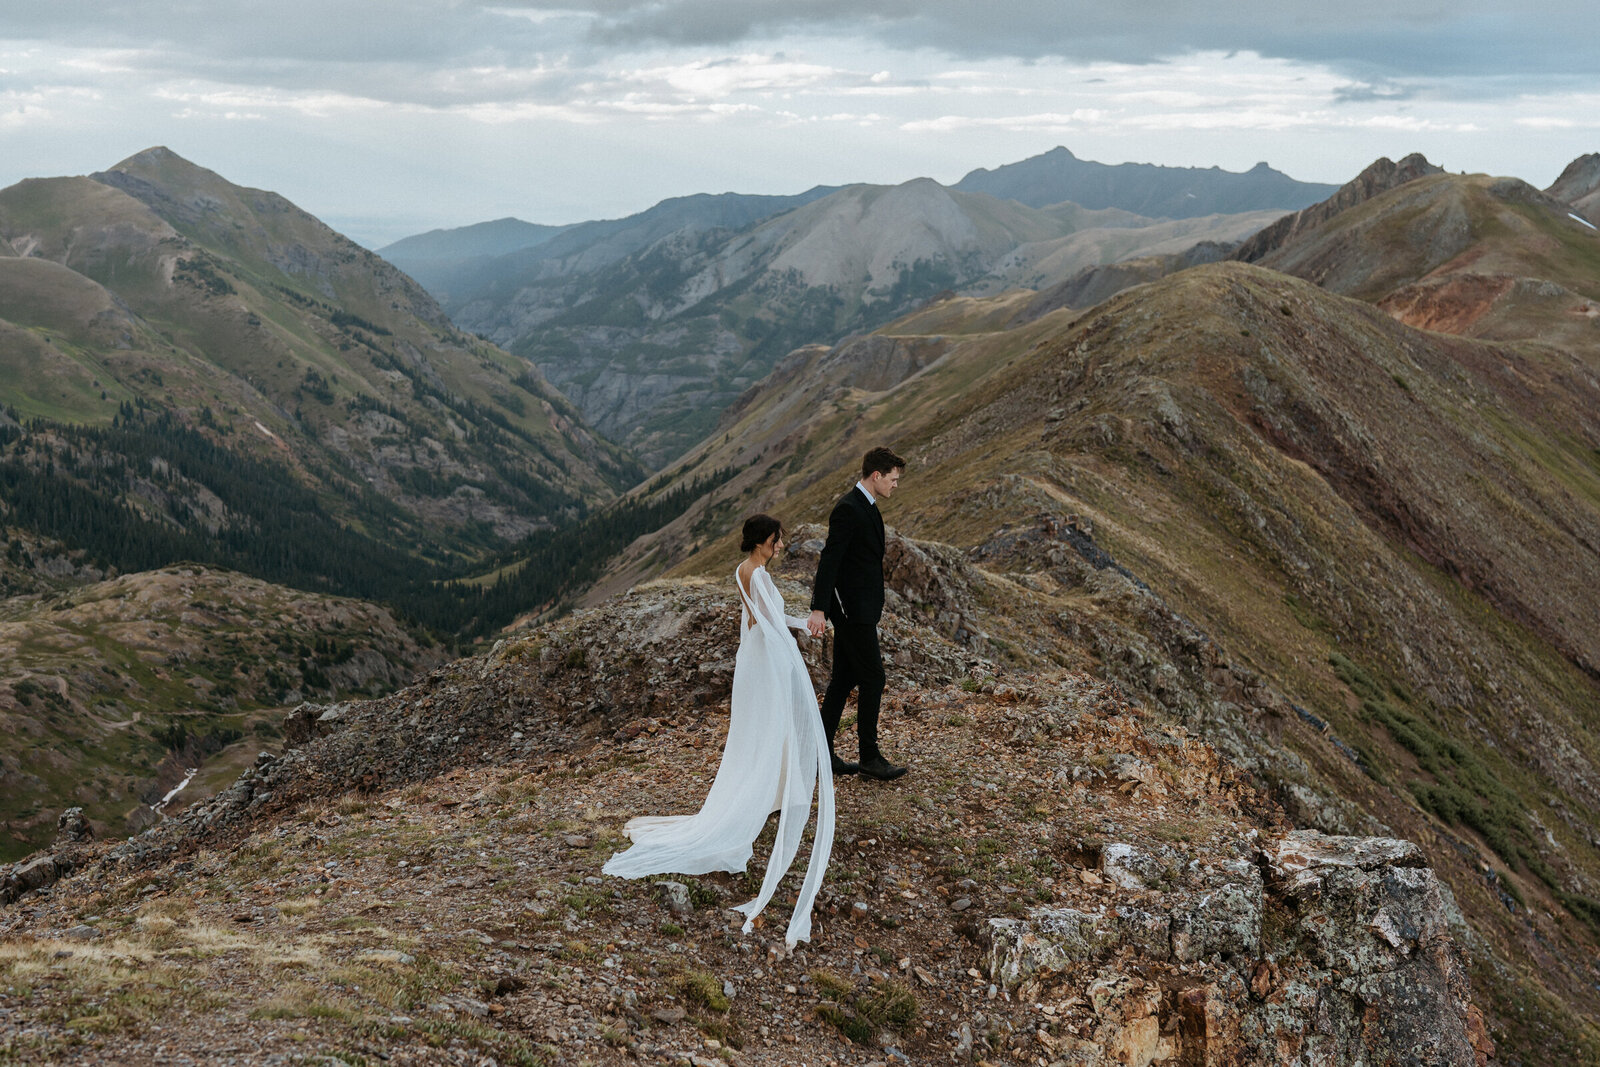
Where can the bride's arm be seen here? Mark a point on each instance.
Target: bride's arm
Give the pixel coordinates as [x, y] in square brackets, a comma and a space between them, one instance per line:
[770, 602]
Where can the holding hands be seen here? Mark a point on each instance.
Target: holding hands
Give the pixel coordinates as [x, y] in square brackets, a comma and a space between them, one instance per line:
[816, 624]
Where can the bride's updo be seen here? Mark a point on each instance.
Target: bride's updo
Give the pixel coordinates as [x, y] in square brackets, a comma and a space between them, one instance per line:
[757, 528]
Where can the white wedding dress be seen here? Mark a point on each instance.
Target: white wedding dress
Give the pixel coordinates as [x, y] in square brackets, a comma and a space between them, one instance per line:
[775, 759]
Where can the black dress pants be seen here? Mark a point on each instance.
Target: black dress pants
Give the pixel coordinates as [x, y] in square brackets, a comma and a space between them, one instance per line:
[858, 665]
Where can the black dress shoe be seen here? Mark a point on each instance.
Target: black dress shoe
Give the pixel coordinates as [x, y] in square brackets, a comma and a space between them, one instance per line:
[842, 767]
[881, 769]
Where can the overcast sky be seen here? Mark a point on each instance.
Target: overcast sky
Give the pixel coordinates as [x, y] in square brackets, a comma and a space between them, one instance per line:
[389, 117]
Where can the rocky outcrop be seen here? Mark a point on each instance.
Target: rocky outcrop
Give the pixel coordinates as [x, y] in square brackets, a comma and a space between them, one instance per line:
[73, 828]
[1381, 176]
[1579, 185]
[1324, 950]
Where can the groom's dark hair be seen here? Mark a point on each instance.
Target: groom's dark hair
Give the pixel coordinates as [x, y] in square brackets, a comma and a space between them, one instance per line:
[881, 461]
[757, 528]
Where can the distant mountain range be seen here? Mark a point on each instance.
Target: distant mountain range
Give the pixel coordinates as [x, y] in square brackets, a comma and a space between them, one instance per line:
[654, 323]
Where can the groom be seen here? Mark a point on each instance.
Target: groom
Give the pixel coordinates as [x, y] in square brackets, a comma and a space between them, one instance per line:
[849, 590]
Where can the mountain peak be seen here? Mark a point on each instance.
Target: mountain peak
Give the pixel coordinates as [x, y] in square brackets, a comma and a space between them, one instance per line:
[155, 157]
[1381, 175]
[162, 167]
[1147, 189]
[1580, 179]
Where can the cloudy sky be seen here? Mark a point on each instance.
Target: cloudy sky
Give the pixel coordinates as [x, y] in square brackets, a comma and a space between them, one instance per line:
[388, 117]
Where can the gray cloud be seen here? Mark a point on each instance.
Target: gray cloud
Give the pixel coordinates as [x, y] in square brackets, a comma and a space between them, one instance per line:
[1430, 39]
[1372, 38]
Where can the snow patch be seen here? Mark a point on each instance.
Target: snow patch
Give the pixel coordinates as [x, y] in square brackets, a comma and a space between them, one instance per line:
[189, 777]
[270, 435]
[1580, 218]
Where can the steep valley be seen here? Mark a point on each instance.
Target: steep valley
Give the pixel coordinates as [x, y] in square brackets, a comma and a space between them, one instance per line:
[219, 420]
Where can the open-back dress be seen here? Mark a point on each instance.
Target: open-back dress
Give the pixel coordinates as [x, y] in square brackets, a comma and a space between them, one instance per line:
[776, 759]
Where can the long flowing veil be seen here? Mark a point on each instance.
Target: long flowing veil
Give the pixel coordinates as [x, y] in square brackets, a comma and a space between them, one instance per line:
[776, 759]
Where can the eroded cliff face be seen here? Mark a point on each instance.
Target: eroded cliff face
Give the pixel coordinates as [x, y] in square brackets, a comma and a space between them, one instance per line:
[1068, 874]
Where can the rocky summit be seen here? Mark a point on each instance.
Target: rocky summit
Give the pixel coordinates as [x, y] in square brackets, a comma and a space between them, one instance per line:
[1067, 876]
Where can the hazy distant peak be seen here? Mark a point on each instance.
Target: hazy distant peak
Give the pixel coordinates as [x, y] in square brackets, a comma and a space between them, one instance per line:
[162, 162]
[157, 154]
[1146, 189]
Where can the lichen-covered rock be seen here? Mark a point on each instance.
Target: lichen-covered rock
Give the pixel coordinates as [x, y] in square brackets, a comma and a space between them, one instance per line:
[1223, 919]
[1341, 954]
[1129, 867]
[1049, 942]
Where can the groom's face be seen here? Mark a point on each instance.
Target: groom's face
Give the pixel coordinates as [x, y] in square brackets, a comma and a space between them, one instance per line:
[882, 484]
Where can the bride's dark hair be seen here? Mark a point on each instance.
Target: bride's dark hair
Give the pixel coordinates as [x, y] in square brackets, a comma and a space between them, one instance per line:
[757, 528]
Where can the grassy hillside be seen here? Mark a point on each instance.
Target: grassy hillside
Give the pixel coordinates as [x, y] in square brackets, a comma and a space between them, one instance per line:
[243, 316]
[112, 691]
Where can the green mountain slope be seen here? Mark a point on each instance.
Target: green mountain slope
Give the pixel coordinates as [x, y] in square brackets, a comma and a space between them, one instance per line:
[112, 692]
[239, 314]
[219, 419]
[1473, 255]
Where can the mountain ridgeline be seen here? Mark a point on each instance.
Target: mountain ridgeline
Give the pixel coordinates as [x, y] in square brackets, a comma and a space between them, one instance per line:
[159, 284]
[655, 323]
[1355, 554]
[1143, 188]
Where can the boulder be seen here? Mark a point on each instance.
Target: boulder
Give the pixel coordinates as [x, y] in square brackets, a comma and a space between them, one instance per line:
[73, 828]
[309, 721]
[1331, 949]
[25, 877]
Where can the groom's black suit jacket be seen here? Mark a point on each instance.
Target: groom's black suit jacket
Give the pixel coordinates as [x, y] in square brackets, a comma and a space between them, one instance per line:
[849, 585]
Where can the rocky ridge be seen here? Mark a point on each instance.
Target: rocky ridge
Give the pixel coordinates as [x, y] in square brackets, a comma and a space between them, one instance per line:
[1243, 499]
[1066, 876]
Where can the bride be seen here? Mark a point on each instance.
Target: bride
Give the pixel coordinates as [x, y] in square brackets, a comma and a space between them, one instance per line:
[776, 756]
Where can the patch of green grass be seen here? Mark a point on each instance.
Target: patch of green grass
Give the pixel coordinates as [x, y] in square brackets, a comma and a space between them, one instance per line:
[889, 1004]
[1463, 792]
[585, 900]
[831, 984]
[847, 1022]
[508, 1048]
[300, 1001]
[702, 989]
[884, 1005]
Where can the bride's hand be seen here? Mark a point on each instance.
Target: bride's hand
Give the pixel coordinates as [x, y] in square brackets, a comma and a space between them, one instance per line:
[816, 624]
